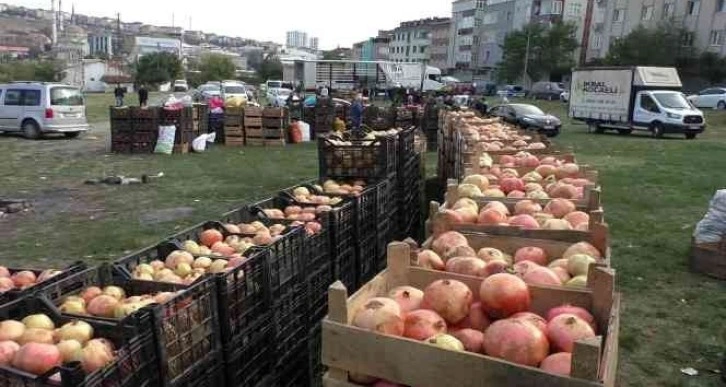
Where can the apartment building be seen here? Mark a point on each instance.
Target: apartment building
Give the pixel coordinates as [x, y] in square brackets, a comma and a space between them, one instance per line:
[412, 40]
[466, 20]
[440, 43]
[705, 19]
[498, 20]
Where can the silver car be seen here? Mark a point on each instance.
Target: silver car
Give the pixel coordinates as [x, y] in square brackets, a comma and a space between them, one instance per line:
[36, 108]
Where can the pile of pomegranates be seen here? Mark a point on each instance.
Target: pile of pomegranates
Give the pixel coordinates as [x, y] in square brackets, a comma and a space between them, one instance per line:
[451, 252]
[23, 279]
[36, 345]
[110, 302]
[558, 214]
[496, 321]
[307, 217]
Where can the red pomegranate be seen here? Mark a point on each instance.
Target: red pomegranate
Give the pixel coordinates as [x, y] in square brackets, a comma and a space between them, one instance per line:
[542, 276]
[495, 267]
[576, 310]
[448, 240]
[466, 266]
[559, 363]
[381, 315]
[526, 222]
[428, 259]
[472, 339]
[516, 340]
[564, 330]
[422, 324]
[37, 358]
[476, 319]
[407, 297]
[527, 207]
[533, 318]
[449, 298]
[491, 216]
[503, 295]
[521, 268]
[510, 184]
[533, 254]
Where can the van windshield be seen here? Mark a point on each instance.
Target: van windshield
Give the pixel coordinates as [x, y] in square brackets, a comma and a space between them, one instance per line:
[274, 85]
[672, 100]
[66, 96]
[235, 90]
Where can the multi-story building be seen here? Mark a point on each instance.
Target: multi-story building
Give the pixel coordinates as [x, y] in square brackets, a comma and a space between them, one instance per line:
[466, 20]
[704, 19]
[297, 39]
[497, 21]
[411, 41]
[440, 43]
[314, 43]
[100, 44]
[567, 11]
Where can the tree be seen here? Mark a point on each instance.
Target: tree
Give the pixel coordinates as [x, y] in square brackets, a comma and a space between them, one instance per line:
[30, 70]
[158, 68]
[712, 67]
[270, 68]
[551, 51]
[660, 46]
[216, 67]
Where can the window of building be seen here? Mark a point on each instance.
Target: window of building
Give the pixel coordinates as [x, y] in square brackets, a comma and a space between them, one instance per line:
[721, 6]
[688, 38]
[668, 10]
[646, 13]
[574, 9]
[717, 38]
[486, 56]
[414, 49]
[468, 13]
[618, 15]
[481, 4]
[693, 7]
[422, 49]
[557, 7]
[597, 42]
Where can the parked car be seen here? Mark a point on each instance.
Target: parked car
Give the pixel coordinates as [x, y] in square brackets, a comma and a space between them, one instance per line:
[529, 117]
[180, 86]
[278, 97]
[205, 92]
[547, 90]
[36, 108]
[714, 97]
[512, 91]
[234, 90]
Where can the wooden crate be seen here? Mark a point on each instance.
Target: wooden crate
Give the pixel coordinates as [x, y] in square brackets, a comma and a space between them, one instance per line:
[234, 131]
[709, 259]
[414, 363]
[273, 123]
[234, 141]
[233, 121]
[254, 122]
[182, 148]
[254, 132]
[265, 142]
[271, 133]
[234, 111]
[274, 112]
[252, 111]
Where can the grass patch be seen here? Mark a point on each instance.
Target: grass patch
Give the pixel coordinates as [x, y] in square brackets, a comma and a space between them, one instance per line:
[654, 192]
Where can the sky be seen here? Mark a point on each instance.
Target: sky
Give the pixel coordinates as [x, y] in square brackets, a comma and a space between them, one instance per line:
[336, 23]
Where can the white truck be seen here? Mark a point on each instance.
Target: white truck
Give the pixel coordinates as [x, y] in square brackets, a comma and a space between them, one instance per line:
[349, 75]
[633, 98]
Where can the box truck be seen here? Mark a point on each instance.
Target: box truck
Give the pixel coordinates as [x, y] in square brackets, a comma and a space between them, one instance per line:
[633, 98]
[349, 75]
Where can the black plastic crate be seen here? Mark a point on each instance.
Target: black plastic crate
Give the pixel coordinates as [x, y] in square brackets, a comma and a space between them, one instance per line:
[361, 159]
[249, 358]
[135, 364]
[186, 327]
[290, 321]
[387, 198]
[316, 369]
[386, 234]
[293, 369]
[317, 283]
[345, 269]
[406, 144]
[209, 374]
[14, 294]
[366, 259]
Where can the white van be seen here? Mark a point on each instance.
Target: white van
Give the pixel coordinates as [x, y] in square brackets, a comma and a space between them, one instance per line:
[35, 108]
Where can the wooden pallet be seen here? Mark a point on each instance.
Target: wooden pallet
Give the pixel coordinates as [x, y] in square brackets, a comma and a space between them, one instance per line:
[234, 141]
[410, 362]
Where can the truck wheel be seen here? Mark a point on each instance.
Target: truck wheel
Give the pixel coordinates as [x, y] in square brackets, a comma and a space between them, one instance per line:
[625, 132]
[657, 130]
[594, 127]
[721, 105]
[31, 130]
[72, 134]
[690, 136]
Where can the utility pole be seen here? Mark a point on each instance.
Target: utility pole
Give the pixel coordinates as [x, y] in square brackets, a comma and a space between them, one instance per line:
[526, 58]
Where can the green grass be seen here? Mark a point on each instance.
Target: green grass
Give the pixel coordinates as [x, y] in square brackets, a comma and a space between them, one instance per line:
[654, 192]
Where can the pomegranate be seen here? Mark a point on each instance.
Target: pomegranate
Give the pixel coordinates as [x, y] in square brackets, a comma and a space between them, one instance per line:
[4, 272]
[92, 292]
[516, 340]
[445, 341]
[546, 170]
[559, 363]
[503, 295]
[36, 335]
[71, 350]
[407, 297]
[361, 379]
[466, 266]
[558, 263]
[39, 321]
[499, 206]
[102, 306]
[527, 207]
[516, 195]
[465, 203]
[7, 352]
[542, 276]
[557, 224]
[534, 319]
[78, 330]
[491, 216]
[210, 237]
[568, 170]
[428, 259]
[23, 279]
[37, 358]
[176, 257]
[532, 254]
[471, 338]
[380, 315]
[564, 191]
[448, 240]
[495, 267]
[459, 251]
[565, 329]
[449, 298]
[494, 193]
[511, 184]
[11, 330]
[422, 324]
[526, 222]
[469, 191]
[478, 180]
[105, 343]
[48, 274]
[95, 357]
[582, 248]
[476, 319]
[521, 268]
[559, 207]
[579, 264]
[570, 309]
[488, 254]
[577, 218]
[562, 274]
[6, 284]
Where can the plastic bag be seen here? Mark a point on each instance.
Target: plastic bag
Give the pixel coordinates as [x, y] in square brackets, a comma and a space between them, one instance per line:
[165, 143]
[295, 133]
[305, 129]
[199, 144]
[712, 228]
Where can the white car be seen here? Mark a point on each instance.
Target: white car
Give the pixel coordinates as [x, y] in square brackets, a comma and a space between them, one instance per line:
[714, 98]
[234, 90]
[180, 86]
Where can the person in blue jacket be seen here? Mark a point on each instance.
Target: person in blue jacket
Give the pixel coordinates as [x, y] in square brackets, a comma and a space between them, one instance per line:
[356, 113]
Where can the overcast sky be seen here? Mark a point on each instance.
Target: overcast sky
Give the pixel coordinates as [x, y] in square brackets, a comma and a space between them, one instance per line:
[334, 22]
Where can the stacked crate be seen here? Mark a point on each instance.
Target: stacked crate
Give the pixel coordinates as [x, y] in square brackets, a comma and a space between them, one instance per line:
[134, 129]
[200, 118]
[183, 120]
[234, 134]
[274, 127]
[324, 116]
[430, 124]
[410, 187]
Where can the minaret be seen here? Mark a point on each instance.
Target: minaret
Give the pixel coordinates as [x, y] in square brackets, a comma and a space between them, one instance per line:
[60, 15]
[54, 30]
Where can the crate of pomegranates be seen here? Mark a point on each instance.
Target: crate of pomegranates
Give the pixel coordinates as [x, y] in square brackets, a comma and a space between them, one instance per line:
[182, 319]
[43, 348]
[18, 282]
[417, 327]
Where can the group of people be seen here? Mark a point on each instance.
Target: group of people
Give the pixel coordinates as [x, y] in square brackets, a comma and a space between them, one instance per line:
[120, 93]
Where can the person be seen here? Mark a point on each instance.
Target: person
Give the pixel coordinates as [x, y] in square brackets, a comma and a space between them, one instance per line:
[143, 96]
[356, 113]
[481, 106]
[324, 91]
[119, 93]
